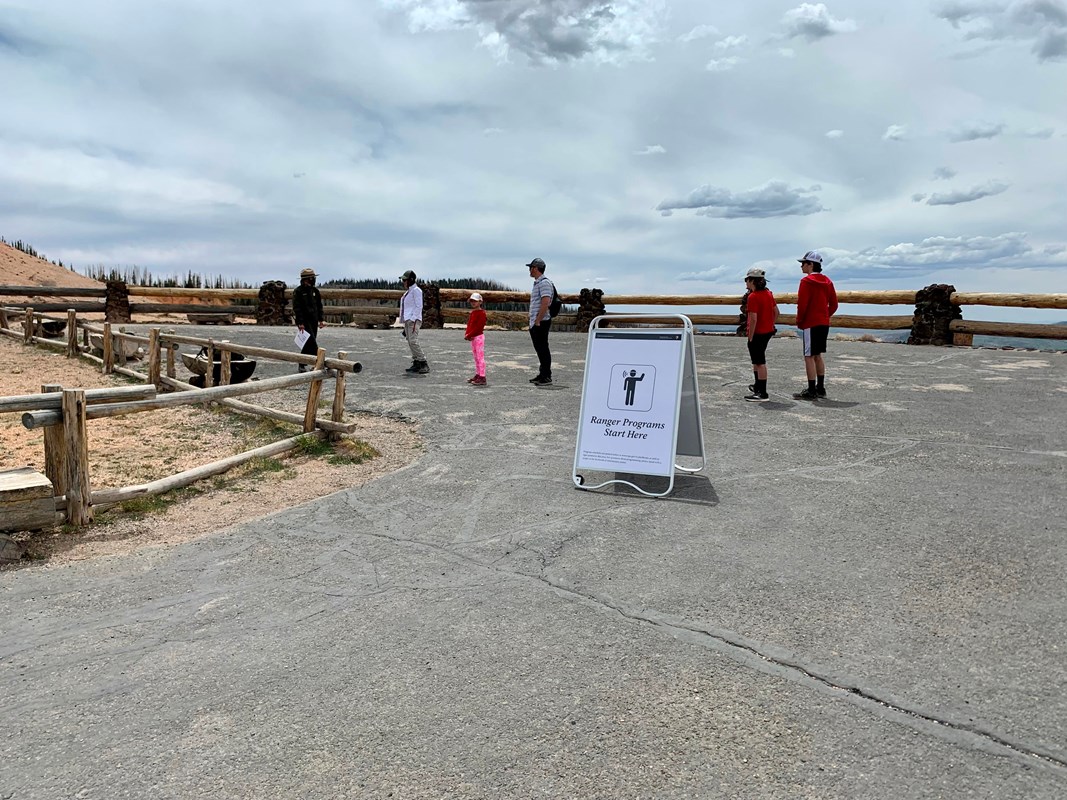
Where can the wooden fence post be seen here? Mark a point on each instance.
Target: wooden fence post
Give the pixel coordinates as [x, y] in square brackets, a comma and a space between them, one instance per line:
[72, 333]
[171, 372]
[3, 319]
[109, 352]
[338, 396]
[153, 357]
[209, 375]
[313, 394]
[76, 447]
[55, 451]
[224, 368]
[27, 326]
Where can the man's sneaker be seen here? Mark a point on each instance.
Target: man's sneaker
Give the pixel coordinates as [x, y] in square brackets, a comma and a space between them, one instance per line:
[423, 369]
[478, 381]
[414, 367]
[819, 390]
[752, 388]
[535, 379]
[542, 381]
[807, 394]
[757, 397]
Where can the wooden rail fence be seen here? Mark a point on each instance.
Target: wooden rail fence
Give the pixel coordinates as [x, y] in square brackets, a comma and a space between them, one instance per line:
[248, 302]
[63, 413]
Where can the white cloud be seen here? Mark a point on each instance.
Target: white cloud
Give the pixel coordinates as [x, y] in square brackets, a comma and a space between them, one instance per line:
[944, 173]
[787, 52]
[773, 199]
[699, 32]
[812, 21]
[707, 275]
[1039, 133]
[492, 131]
[944, 251]
[987, 189]
[731, 42]
[722, 64]
[895, 133]
[835, 134]
[650, 150]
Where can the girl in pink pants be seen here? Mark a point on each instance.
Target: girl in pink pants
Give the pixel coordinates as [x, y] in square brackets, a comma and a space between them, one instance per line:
[476, 336]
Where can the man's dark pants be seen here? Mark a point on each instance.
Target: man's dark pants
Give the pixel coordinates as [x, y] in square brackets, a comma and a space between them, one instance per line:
[311, 346]
[539, 335]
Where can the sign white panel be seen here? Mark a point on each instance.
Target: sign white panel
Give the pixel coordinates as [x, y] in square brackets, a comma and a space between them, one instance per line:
[630, 401]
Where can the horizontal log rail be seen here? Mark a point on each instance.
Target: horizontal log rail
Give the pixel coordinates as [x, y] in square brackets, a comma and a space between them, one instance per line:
[1019, 329]
[1009, 300]
[52, 291]
[54, 400]
[263, 352]
[93, 307]
[42, 419]
[191, 308]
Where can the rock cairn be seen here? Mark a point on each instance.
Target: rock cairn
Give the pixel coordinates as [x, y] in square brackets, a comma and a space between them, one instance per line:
[590, 306]
[933, 313]
[117, 302]
[271, 309]
[431, 306]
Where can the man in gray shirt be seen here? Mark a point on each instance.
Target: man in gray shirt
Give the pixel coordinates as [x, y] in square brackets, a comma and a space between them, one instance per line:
[540, 321]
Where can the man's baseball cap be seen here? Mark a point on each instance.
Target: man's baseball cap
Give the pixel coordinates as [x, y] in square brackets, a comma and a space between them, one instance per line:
[537, 262]
[756, 272]
[307, 272]
[408, 276]
[813, 256]
[476, 296]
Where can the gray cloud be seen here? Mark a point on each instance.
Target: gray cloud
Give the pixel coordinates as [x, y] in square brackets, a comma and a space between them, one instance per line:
[944, 173]
[1043, 23]
[977, 131]
[773, 199]
[970, 195]
[1039, 133]
[940, 251]
[918, 198]
[812, 21]
[547, 31]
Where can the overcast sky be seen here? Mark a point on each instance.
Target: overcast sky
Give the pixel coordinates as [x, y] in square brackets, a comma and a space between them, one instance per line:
[653, 146]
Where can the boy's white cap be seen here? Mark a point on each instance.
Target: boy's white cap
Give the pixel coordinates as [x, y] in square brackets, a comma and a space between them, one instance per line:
[476, 296]
[812, 255]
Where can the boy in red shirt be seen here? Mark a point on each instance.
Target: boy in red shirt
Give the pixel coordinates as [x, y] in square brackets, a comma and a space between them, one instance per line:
[762, 313]
[476, 336]
[816, 303]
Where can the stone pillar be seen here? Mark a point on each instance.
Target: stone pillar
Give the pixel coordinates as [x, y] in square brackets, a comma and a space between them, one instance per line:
[271, 309]
[742, 320]
[590, 306]
[431, 306]
[933, 313]
[117, 302]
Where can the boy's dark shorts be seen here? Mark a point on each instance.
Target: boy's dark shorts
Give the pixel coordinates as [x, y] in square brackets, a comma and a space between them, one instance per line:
[757, 348]
[814, 340]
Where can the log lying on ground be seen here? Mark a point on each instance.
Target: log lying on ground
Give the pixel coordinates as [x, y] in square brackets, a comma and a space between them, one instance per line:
[105, 498]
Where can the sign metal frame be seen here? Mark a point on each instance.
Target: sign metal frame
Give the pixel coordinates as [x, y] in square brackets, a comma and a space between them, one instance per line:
[686, 415]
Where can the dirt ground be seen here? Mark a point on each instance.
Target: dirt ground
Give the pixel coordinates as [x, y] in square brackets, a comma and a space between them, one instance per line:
[136, 448]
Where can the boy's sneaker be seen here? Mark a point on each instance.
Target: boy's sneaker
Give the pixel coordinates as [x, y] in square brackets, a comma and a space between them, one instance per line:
[542, 381]
[757, 397]
[807, 394]
[819, 390]
[478, 381]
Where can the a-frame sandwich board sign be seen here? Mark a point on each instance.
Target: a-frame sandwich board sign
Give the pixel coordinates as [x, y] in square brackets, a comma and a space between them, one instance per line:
[640, 401]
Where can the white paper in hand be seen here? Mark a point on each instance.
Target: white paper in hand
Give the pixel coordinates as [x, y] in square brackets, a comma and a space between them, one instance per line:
[301, 338]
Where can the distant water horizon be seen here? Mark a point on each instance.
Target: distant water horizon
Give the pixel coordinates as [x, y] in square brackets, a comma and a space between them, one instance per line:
[900, 337]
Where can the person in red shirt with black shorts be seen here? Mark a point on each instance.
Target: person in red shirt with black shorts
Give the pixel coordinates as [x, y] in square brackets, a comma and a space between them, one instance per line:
[762, 314]
[816, 303]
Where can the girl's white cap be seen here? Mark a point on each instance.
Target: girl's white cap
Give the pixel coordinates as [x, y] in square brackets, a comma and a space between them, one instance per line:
[476, 296]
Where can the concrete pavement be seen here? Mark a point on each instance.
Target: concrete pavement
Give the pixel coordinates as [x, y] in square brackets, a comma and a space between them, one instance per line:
[861, 597]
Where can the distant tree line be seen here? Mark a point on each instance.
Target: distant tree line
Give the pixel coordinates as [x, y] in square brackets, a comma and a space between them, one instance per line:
[29, 250]
[140, 276]
[444, 283]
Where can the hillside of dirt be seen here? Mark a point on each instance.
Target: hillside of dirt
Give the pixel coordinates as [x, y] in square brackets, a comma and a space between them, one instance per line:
[20, 269]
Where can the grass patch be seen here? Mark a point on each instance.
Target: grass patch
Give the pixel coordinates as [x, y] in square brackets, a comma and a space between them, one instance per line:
[352, 451]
